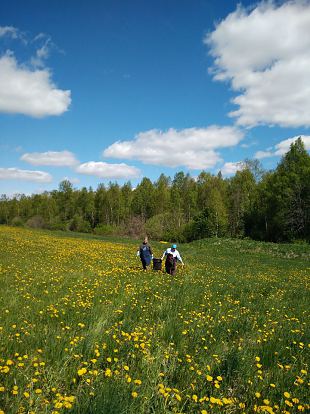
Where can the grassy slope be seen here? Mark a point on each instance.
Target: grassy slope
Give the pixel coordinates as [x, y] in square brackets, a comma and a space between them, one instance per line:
[234, 301]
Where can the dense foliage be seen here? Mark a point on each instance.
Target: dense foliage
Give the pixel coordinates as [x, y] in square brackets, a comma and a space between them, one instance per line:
[271, 206]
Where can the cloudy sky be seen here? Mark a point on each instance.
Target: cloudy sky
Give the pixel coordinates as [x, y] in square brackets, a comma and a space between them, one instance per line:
[116, 90]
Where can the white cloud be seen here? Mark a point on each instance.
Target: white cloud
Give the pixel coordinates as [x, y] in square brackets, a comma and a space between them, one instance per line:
[41, 54]
[283, 147]
[52, 158]
[9, 31]
[265, 53]
[230, 168]
[263, 154]
[105, 170]
[73, 180]
[29, 92]
[25, 175]
[192, 147]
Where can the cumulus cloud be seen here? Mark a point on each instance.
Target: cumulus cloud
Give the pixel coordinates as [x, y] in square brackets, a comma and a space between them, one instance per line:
[52, 158]
[29, 92]
[25, 175]
[192, 147]
[106, 170]
[283, 147]
[265, 54]
[230, 168]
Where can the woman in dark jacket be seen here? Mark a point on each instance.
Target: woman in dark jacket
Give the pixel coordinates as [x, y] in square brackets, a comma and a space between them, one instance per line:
[145, 253]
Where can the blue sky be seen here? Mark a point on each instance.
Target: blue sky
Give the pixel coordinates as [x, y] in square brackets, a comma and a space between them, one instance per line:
[116, 90]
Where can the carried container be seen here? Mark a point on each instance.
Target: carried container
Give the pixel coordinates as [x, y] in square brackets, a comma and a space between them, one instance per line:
[157, 263]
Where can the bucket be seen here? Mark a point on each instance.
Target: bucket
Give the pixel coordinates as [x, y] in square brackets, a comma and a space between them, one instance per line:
[157, 264]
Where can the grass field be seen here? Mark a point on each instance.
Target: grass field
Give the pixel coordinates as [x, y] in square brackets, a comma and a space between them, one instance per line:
[84, 330]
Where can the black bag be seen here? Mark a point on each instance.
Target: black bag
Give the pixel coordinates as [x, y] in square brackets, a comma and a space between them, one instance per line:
[157, 264]
[170, 263]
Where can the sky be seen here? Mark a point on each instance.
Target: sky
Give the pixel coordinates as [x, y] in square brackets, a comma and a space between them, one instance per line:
[102, 91]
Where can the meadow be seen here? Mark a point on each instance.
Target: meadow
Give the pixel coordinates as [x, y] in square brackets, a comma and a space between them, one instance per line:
[84, 330]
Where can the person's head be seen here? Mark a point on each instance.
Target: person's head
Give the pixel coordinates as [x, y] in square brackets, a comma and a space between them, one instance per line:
[145, 241]
[173, 246]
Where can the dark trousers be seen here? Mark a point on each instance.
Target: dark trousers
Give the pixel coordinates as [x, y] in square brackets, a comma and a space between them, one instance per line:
[144, 263]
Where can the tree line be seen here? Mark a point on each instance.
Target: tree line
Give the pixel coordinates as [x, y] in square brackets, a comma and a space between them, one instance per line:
[263, 205]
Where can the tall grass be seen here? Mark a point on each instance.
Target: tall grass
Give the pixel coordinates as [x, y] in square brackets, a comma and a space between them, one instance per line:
[85, 330]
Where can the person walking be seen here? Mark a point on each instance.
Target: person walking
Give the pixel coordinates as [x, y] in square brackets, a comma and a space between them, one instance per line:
[145, 253]
[172, 257]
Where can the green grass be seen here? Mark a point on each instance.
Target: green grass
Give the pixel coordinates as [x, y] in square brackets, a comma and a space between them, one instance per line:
[227, 334]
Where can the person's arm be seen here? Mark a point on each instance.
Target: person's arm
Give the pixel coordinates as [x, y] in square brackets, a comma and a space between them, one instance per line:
[138, 252]
[164, 254]
[179, 258]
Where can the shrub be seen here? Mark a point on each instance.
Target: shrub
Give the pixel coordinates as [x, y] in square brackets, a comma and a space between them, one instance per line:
[106, 230]
[79, 224]
[17, 222]
[36, 222]
[135, 228]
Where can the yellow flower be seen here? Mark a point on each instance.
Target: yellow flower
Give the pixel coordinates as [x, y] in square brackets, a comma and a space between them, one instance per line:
[134, 394]
[287, 394]
[38, 391]
[26, 394]
[209, 378]
[257, 394]
[82, 371]
[108, 372]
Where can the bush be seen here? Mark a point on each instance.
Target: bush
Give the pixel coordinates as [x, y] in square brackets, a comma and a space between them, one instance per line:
[79, 224]
[106, 230]
[57, 224]
[135, 228]
[17, 222]
[36, 222]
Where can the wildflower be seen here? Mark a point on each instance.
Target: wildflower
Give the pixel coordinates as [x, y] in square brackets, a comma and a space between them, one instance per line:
[82, 371]
[134, 394]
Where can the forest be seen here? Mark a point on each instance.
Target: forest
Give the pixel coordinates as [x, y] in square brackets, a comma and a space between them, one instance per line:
[262, 205]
